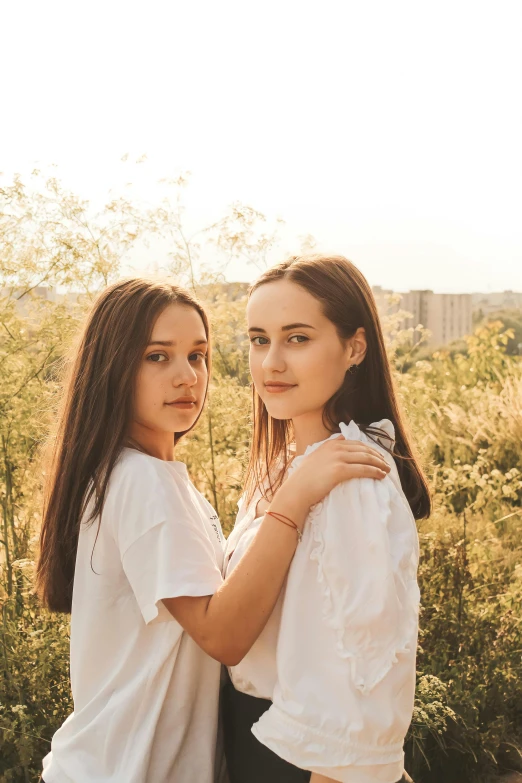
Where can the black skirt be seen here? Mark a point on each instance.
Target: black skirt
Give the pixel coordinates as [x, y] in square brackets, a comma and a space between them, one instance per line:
[248, 760]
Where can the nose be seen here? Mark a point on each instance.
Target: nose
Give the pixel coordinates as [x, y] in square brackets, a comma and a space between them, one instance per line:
[273, 360]
[184, 374]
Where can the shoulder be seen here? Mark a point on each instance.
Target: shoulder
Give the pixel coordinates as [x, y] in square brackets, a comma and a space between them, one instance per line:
[133, 466]
[143, 492]
[138, 475]
[359, 494]
[378, 434]
[358, 491]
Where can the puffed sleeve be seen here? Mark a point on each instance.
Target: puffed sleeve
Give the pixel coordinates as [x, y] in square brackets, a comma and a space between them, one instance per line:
[164, 546]
[347, 644]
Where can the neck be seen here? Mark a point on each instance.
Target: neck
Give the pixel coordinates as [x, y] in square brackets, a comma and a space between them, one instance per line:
[309, 429]
[157, 444]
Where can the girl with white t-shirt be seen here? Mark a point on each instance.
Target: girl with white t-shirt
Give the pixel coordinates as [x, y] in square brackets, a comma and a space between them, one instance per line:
[135, 553]
[326, 693]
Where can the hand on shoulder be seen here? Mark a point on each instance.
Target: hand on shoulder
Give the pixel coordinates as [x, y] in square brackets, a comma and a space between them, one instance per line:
[335, 461]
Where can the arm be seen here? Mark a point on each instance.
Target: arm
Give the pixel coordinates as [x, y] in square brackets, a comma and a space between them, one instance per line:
[228, 623]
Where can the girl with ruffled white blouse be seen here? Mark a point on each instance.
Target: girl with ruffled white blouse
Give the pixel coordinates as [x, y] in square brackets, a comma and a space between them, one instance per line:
[327, 690]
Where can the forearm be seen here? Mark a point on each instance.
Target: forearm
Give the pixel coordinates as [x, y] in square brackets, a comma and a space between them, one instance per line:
[239, 610]
[227, 624]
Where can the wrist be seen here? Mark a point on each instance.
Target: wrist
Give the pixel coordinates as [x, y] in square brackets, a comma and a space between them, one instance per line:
[287, 500]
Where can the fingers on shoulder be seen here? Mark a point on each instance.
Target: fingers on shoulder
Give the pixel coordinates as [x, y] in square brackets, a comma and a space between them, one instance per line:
[373, 468]
[348, 446]
[353, 451]
[363, 456]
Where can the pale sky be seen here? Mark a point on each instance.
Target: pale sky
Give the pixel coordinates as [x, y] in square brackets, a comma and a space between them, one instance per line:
[390, 131]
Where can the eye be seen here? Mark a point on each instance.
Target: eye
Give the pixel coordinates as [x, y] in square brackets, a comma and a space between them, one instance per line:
[299, 338]
[156, 358]
[197, 357]
[253, 340]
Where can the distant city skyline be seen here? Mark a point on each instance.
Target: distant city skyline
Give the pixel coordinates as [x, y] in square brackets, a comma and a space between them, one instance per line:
[446, 317]
[493, 299]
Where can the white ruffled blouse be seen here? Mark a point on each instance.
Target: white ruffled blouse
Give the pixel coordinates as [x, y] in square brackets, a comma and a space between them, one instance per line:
[337, 656]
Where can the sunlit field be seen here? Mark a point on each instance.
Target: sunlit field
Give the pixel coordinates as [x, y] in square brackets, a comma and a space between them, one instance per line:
[464, 405]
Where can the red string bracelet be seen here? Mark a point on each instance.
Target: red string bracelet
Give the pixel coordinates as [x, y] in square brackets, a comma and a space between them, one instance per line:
[286, 521]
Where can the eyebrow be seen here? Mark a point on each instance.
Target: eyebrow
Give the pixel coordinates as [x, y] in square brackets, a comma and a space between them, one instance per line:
[287, 328]
[170, 343]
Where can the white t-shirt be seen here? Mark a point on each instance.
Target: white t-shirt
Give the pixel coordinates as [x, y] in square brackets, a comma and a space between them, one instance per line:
[145, 695]
[337, 656]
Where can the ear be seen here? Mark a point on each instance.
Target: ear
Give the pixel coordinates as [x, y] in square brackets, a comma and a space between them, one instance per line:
[358, 346]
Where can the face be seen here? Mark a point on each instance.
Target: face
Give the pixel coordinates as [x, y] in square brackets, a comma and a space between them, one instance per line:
[297, 359]
[171, 382]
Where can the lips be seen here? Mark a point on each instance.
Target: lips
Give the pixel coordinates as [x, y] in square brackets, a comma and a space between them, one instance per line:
[278, 387]
[182, 402]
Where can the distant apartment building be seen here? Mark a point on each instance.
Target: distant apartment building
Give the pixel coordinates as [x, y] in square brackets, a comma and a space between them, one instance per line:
[448, 317]
[493, 302]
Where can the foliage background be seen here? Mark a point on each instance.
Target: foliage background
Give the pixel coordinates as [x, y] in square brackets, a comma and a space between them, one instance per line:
[465, 410]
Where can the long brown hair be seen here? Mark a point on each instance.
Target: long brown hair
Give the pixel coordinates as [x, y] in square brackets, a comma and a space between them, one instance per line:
[365, 396]
[94, 419]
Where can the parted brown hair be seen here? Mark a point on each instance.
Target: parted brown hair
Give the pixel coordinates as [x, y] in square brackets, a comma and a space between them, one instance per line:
[365, 396]
[93, 422]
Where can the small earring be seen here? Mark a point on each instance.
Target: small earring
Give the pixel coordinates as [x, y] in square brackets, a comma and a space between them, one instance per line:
[352, 369]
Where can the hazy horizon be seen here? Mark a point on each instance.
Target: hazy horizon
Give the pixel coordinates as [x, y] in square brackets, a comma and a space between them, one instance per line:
[389, 132]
